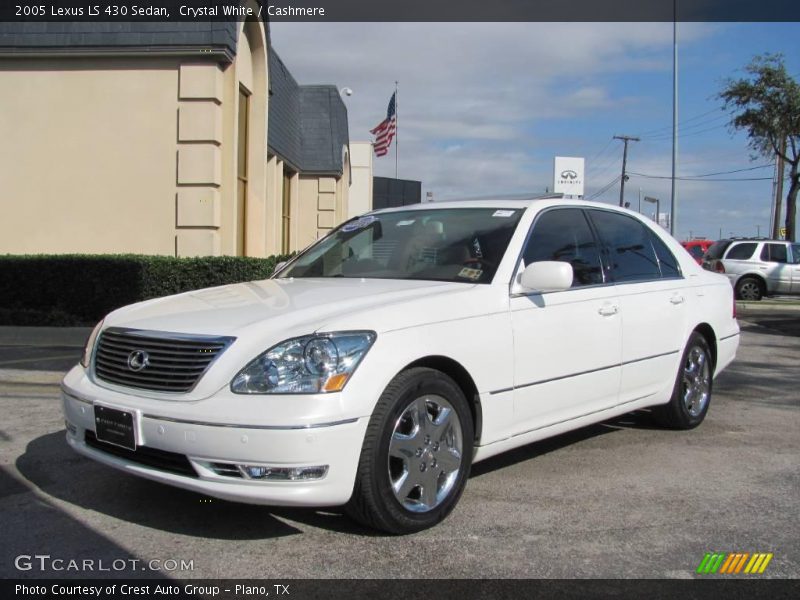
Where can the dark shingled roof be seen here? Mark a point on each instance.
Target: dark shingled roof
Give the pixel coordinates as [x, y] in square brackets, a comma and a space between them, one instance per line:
[284, 113]
[24, 38]
[307, 123]
[323, 127]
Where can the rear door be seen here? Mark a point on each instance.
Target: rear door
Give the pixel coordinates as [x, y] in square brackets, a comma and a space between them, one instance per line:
[795, 269]
[776, 267]
[652, 303]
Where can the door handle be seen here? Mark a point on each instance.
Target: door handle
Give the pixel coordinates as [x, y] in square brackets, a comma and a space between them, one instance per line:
[608, 310]
[677, 299]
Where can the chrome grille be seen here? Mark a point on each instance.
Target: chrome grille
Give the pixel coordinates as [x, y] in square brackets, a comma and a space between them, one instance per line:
[173, 362]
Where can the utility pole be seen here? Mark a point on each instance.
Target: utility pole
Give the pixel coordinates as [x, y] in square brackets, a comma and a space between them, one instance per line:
[779, 172]
[625, 139]
[673, 201]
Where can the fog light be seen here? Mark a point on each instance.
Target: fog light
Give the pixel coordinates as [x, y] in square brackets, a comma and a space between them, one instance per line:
[284, 473]
[71, 428]
[256, 472]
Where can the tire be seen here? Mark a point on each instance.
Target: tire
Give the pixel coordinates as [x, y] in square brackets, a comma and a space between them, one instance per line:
[691, 395]
[416, 455]
[749, 288]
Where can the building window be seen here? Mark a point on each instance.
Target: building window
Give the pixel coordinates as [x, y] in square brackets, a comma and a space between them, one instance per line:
[241, 168]
[286, 213]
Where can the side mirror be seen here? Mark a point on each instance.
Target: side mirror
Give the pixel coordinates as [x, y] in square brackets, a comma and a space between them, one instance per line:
[279, 266]
[546, 276]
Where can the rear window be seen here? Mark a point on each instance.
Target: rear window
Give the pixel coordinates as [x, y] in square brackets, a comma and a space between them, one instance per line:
[666, 259]
[774, 253]
[741, 251]
[717, 249]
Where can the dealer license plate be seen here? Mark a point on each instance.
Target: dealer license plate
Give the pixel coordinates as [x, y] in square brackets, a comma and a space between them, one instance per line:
[115, 426]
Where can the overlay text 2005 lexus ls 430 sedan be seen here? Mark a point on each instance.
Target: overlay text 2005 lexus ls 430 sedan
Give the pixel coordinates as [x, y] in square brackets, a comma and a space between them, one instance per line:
[375, 367]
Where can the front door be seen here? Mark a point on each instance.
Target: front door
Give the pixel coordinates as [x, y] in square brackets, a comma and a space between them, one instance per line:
[567, 345]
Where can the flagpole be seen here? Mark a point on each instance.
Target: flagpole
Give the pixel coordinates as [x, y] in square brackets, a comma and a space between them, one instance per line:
[396, 133]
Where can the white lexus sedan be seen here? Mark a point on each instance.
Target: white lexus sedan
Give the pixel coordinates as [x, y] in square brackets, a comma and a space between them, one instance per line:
[375, 367]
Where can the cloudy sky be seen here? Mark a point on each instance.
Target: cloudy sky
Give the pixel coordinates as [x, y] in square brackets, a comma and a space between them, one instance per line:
[483, 108]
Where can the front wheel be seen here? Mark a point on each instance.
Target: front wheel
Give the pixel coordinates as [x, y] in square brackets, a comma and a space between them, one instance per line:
[416, 455]
[691, 395]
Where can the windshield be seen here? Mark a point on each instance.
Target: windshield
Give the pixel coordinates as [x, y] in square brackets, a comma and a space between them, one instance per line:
[449, 244]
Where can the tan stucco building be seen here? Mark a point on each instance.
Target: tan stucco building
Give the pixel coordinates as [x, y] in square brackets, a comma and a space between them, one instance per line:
[177, 139]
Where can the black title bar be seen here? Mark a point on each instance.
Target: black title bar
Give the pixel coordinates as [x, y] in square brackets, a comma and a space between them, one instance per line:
[398, 589]
[37, 11]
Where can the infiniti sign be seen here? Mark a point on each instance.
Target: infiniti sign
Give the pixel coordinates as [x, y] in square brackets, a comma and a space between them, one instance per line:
[138, 360]
[568, 176]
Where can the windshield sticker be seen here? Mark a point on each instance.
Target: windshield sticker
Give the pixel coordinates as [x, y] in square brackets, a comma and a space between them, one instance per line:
[503, 213]
[468, 273]
[359, 223]
[403, 223]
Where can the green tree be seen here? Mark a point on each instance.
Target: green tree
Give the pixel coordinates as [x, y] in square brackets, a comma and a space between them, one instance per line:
[766, 104]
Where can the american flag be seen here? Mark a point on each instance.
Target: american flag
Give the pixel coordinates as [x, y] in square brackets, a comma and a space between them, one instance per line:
[384, 132]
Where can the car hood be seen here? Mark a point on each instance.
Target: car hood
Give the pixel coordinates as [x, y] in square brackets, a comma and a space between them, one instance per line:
[296, 305]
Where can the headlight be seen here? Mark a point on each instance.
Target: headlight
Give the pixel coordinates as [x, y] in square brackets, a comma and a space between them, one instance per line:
[305, 365]
[87, 351]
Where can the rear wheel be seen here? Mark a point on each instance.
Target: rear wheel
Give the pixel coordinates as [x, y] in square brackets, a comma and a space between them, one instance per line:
[416, 454]
[691, 395]
[749, 288]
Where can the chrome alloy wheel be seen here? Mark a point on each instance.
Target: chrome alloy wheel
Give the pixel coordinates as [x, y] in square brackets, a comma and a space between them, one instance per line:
[425, 453]
[696, 381]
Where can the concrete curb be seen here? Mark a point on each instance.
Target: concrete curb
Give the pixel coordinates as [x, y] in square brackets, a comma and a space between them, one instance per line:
[21, 376]
[745, 307]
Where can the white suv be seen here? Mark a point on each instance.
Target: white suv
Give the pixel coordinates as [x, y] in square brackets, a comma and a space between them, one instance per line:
[756, 267]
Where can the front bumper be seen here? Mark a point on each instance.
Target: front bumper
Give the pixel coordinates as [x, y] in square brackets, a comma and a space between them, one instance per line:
[205, 440]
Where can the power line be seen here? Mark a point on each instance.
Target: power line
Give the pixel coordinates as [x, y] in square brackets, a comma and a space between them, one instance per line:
[689, 128]
[658, 138]
[600, 170]
[669, 127]
[742, 170]
[605, 188]
[701, 178]
[599, 154]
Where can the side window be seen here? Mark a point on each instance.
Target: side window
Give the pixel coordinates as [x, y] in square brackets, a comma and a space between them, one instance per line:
[666, 259]
[796, 254]
[774, 253]
[564, 235]
[741, 251]
[629, 247]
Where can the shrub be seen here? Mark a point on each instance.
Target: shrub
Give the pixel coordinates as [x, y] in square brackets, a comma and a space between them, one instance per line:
[78, 289]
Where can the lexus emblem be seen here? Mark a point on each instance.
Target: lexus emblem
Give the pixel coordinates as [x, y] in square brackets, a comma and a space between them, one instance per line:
[138, 360]
[569, 174]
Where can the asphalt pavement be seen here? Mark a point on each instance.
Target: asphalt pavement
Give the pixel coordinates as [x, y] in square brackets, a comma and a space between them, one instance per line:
[619, 499]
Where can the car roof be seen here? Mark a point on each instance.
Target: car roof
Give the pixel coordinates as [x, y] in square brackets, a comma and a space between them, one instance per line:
[495, 202]
[755, 239]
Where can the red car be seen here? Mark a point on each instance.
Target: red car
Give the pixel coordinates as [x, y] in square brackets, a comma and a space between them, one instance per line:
[697, 248]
